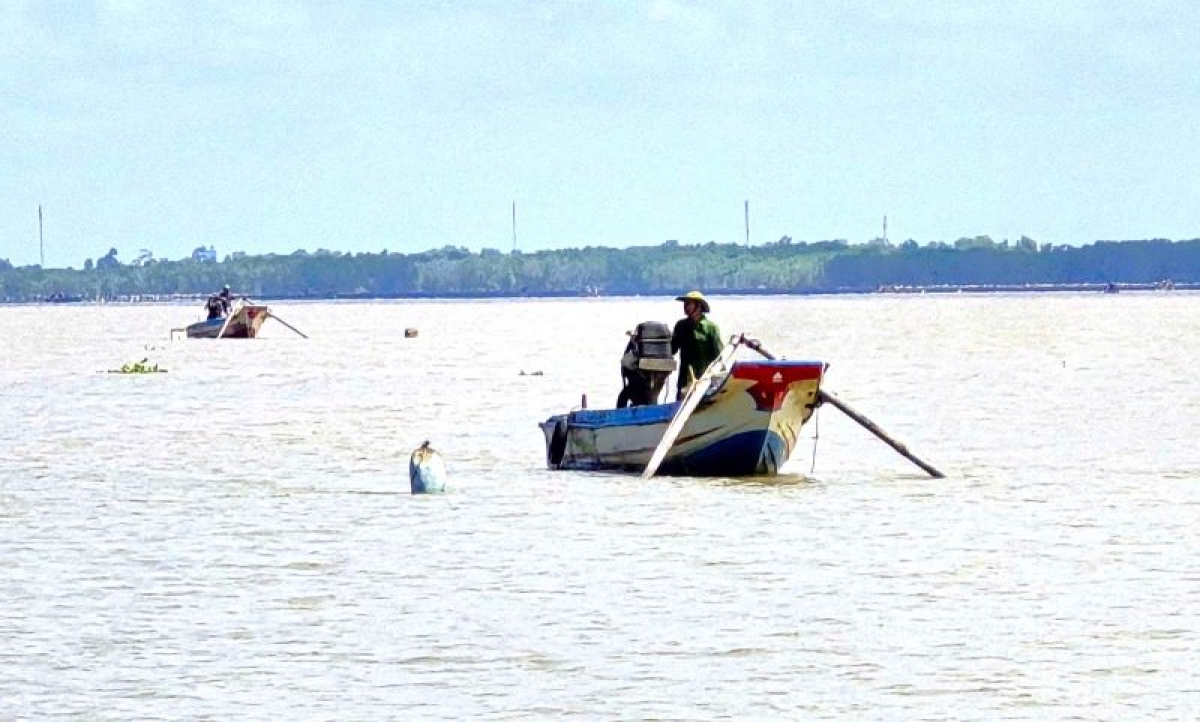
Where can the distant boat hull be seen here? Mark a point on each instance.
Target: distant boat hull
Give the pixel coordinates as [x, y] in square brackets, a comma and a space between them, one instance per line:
[64, 298]
[747, 425]
[247, 320]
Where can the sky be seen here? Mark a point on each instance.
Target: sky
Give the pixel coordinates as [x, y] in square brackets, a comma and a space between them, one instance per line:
[273, 126]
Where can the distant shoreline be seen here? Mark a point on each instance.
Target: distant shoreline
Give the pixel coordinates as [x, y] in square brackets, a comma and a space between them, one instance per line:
[977, 265]
[1042, 288]
[198, 298]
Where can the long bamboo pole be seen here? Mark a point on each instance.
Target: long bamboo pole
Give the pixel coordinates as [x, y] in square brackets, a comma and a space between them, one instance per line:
[826, 397]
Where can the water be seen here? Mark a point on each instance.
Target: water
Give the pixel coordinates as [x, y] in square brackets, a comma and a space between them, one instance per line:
[234, 539]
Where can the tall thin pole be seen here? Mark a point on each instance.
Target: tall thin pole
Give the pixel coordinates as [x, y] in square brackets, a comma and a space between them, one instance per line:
[885, 228]
[41, 243]
[514, 224]
[747, 224]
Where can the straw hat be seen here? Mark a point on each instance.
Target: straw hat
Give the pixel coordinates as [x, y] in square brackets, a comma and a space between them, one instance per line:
[695, 296]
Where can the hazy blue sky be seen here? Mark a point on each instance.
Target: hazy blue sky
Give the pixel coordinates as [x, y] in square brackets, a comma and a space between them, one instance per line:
[267, 126]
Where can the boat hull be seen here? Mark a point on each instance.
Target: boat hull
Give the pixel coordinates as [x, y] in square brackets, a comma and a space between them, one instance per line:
[246, 322]
[747, 425]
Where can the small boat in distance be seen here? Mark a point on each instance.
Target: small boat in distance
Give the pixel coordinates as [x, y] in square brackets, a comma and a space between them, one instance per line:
[60, 297]
[242, 322]
[746, 424]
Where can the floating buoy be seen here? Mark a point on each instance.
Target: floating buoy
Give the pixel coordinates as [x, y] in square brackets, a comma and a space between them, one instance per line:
[426, 470]
[410, 333]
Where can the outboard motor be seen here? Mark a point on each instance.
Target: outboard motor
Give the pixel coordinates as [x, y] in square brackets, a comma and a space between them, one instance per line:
[646, 364]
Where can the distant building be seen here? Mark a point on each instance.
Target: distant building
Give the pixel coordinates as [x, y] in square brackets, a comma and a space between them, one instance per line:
[205, 255]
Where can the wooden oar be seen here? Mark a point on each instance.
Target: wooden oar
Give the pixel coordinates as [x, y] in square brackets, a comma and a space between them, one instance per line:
[824, 396]
[691, 399]
[228, 318]
[285, 323]
[271, 314]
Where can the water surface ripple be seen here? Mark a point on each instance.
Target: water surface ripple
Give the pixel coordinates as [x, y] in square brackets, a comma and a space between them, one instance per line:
[234, 539]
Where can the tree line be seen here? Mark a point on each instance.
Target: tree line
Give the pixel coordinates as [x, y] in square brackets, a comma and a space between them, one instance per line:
[783, 266]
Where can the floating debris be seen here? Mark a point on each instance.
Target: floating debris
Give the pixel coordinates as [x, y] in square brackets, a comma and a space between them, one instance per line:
[139, 367]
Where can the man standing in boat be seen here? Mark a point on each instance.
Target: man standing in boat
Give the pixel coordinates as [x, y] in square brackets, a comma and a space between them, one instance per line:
[215, 307]
[696, 339]
[226, 297]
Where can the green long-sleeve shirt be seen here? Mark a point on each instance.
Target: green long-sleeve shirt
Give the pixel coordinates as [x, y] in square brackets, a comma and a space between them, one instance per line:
[698, 344]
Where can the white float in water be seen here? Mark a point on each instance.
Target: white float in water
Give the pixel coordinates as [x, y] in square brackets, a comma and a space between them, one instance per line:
[426, 470]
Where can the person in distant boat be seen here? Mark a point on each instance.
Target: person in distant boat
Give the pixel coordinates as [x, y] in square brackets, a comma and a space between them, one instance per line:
[226, 297]
[215, 307]
[695, 338]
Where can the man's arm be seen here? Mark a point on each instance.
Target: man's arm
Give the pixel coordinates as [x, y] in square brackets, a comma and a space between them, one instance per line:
[715, 344]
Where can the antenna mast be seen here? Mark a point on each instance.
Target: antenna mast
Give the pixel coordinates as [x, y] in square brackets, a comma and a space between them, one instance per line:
[514, 224]
[747, 224]
[41, 243]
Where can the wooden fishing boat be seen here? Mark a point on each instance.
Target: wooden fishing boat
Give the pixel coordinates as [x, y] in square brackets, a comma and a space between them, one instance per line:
[243, 322]
[745, 424]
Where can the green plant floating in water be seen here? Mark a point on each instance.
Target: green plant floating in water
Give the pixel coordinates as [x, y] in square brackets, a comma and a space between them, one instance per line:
[139, 367]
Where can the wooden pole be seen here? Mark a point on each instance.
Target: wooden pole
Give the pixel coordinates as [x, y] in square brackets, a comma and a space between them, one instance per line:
[691, 399]
[826, 397]
[285, 323]
[228, 318]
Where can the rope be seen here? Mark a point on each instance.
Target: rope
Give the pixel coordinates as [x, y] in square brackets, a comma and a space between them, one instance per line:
[816, 437]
